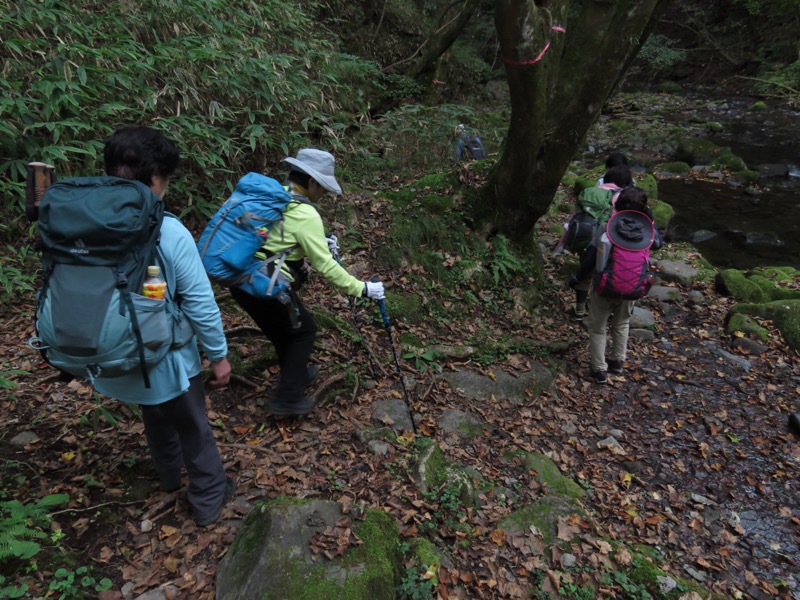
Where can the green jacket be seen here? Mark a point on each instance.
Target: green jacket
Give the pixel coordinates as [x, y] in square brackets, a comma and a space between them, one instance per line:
[303, 231]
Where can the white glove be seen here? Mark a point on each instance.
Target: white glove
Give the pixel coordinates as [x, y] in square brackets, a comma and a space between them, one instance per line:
[333, 244]
[374, 290]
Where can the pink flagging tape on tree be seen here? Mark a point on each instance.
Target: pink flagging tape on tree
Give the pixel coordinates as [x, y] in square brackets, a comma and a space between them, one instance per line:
[557, 28]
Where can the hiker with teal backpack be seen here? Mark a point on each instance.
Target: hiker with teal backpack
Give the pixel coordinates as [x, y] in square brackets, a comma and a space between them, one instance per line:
[96, 318]
[299, 239]
[592, 209]
[618, 262]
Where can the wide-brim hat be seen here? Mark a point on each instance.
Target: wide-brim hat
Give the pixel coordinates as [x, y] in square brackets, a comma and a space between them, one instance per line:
[319, 165]
[630, 229]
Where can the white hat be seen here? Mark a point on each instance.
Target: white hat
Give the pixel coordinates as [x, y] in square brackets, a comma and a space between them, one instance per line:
[318, 164]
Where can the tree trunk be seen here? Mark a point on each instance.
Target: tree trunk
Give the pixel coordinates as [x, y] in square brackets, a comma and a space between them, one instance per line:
[556, 99]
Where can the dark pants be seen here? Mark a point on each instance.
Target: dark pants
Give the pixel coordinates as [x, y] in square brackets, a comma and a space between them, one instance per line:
[179, 435]
[293, 345]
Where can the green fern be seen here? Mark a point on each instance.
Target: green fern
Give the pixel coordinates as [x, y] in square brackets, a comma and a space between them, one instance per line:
[505, 265]
[20, 524]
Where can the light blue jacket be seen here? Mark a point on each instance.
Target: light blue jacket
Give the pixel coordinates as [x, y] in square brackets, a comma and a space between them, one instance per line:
[187, 278]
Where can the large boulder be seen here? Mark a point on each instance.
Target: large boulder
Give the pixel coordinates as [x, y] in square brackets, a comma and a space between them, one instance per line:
[310, 549]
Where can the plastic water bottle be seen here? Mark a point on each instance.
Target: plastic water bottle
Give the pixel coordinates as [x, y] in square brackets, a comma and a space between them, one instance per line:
[154, 285]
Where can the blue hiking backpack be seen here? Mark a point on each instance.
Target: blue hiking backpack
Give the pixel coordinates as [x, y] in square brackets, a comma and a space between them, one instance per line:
[98, 236]
[238, 230]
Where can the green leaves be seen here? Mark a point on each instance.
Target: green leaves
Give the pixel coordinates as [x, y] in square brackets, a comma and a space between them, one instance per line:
[223, 78]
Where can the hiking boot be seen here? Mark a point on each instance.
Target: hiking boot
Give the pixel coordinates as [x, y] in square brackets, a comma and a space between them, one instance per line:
[580, 310]
[313, 373]
[600, 376]
[283, 408]
[794, 423]
[616, 366]
[213, 516]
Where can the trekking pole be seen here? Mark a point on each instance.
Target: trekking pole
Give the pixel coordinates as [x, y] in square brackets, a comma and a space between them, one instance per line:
[388, 327]
[356, 321]
[39, 177]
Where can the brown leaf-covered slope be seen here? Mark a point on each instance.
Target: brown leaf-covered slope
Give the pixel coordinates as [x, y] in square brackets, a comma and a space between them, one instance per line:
[704, 471]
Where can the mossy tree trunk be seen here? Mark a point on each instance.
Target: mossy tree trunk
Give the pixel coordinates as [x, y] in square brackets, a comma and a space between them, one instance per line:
[554, 100]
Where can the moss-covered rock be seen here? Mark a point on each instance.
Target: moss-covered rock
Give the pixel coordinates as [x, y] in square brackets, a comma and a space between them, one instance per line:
[436, 204]
[271, 556]
[698, 151]
[728, 160]
[785, 314]
[436, 182]
[756, 286]
[741, 323]
[662, 213]
[649, 184]
[735, 283]
[548, 473]
[677, 167]
[748, 176]
[757, 106]
[406, 307]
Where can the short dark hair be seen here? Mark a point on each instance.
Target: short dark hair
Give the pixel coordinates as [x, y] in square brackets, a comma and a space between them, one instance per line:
[300, 178]
[616, 158]
[632, 198]
[619, 175]
[139, 152]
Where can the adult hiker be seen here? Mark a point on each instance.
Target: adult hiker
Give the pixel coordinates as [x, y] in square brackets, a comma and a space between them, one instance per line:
[619, 260]
[290, 327]
[597, 203]
[467, 145]
[174, 406]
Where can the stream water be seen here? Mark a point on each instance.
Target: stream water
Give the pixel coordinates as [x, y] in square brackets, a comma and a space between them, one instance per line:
[736, 226]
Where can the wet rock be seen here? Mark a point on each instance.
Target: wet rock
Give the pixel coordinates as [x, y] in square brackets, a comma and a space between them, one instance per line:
[774, 170]
[695, 297]
[165, 593]
[23, 438]
[392, 413]
[378, 447]
[663, 293]
[748, 346]
[642, 334]
[701, 235]
[503, 385]
[676, 271]
[666, 584]
[612, 445]
[642, 318]
[764, 238]
[461, 424]
[732, 359]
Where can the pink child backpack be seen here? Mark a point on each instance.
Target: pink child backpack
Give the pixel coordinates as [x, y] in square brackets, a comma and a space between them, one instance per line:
[623, 256]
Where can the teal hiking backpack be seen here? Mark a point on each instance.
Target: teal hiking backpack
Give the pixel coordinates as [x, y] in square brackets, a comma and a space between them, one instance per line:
[98, 235]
